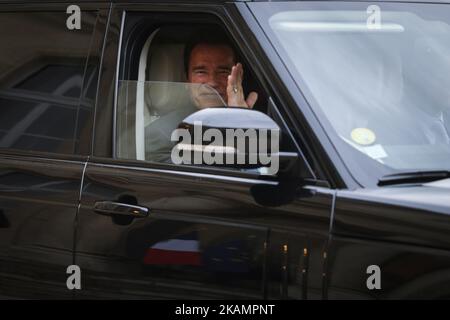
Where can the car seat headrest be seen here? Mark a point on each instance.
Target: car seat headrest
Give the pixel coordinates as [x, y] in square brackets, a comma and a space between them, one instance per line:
[165, 77]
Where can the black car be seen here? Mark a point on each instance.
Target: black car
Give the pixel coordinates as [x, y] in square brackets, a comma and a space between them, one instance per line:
[357, 208]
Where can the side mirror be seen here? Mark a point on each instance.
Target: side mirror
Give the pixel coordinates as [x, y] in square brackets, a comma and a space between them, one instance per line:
[232, 137]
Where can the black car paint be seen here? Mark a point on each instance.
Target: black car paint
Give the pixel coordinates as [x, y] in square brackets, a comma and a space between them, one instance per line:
[403, 230]
[38, 205]
[317, 246]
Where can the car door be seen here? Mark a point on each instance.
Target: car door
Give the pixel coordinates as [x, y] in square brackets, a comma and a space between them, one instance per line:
[159, 230]
[391, 247]
[46, 102]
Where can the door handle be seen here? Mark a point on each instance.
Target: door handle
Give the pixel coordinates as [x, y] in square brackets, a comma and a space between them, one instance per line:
[110, 208]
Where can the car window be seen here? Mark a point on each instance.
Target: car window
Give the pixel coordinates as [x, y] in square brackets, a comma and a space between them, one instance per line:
[44, 80]
[154, 94]
[150, 111]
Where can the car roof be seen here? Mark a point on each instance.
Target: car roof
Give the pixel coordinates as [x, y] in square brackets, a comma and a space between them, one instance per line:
[203, 1]
[120, 1]
[24, 2]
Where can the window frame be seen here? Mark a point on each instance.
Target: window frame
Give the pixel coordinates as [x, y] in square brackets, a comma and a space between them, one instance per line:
[221, 14]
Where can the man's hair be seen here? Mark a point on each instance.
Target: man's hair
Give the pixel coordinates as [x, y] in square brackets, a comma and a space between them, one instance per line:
[210, 35]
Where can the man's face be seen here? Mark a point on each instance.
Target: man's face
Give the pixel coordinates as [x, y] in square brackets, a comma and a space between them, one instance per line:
[210, 65]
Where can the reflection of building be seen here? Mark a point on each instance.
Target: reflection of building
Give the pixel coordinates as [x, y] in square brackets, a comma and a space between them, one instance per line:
[42, 103]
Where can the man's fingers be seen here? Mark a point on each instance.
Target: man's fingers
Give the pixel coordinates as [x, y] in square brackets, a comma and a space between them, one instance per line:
[234, 80]
[240, 73]
[251, 99]
[230, 83]
[237, 74]
[234, 76]
[235, 91]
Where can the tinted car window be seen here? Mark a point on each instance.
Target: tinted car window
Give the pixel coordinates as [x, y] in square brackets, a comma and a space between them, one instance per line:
[43, 106]
[49, 78]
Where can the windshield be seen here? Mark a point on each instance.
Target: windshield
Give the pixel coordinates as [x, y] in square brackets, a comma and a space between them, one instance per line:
[376, 76]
